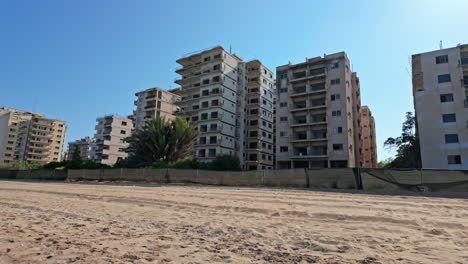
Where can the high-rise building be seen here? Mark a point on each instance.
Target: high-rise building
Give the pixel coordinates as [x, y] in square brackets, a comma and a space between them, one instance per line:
[83, 146]
[109, 146]
[30, 136]
[152, 103]
[317, 114]
[440, 90]
[368, 139]
[258, 97]
[230, 103]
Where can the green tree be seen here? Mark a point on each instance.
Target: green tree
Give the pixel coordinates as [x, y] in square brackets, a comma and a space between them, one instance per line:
[407, 145]
[76, 155]
[161, 140]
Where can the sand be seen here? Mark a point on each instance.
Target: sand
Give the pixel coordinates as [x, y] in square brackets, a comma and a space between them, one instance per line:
[103, 223]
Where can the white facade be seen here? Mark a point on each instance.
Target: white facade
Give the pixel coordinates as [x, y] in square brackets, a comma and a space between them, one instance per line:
[440, 89]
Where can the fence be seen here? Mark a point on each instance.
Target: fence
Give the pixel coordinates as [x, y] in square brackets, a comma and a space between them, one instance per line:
[389, 180]
[38, 174]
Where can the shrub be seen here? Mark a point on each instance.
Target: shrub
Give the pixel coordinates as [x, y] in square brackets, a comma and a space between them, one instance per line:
[225, 163]
[186, 163]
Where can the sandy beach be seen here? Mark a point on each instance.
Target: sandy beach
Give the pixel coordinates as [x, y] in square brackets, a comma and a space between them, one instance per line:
[102, 223]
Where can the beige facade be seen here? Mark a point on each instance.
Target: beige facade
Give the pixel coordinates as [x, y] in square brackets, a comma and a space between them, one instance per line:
[368, 139]
[317, 114]
[29, 136]
[222, 95]
[109, 146]
[152, 103]
[440, 90]
[84, 147]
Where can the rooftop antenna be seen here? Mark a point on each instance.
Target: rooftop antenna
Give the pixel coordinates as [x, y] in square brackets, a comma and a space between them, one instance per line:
[440, 44]
[230, 48]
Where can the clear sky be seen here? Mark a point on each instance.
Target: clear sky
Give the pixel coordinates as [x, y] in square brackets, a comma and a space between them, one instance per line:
[77, 60]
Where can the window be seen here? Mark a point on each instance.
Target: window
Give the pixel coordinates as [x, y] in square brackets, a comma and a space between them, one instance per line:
[317, 71]
[283, 133]
[454, 159]
[448, 118]
[123, 132]
[335, 97]
[283, 90]
[334, 65]
[217, 67]
[336, 113]
[206, 81]
[443, 78]
[123, 123]
[283, 119]
[283, 104]
[337, 130]
[217, 56]
[444, 98]
[283, 148]
[442, 59]
[335, 81]
[283, 75]
[451, 138]
[207, 59]
[337, 146]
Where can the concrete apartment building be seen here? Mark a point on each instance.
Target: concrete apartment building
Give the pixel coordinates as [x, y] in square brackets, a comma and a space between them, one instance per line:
[84, 146]
[152, 103]
[317, 114]
[440, 90]
[368, 139]
[30, 136]
[258, 134]
[109, 139]
[230, 103]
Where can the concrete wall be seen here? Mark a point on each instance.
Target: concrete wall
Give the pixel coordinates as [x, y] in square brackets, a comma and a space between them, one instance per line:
[387, 180]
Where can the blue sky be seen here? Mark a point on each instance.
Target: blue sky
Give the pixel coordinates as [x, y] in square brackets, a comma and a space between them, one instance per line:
[77, 60]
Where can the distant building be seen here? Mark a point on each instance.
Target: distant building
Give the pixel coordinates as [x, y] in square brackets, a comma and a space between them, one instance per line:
[109, 145]
[84, 146]
[30, 136]
[317, 114]
[152, 103]
[440, 90]
[368, 141]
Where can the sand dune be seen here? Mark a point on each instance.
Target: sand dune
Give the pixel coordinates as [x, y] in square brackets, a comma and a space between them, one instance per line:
[99, 223]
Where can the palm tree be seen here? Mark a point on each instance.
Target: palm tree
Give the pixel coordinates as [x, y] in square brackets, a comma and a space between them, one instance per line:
[161, 140]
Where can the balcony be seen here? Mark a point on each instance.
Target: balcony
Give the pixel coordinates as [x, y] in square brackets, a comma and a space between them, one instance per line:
[307, 153]
[150, 107]
[314, 120]
[304, 75]
[210, 142]
[48, 136]
[39, 147]
[464, 61]
[37, 159]
[464, 81]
